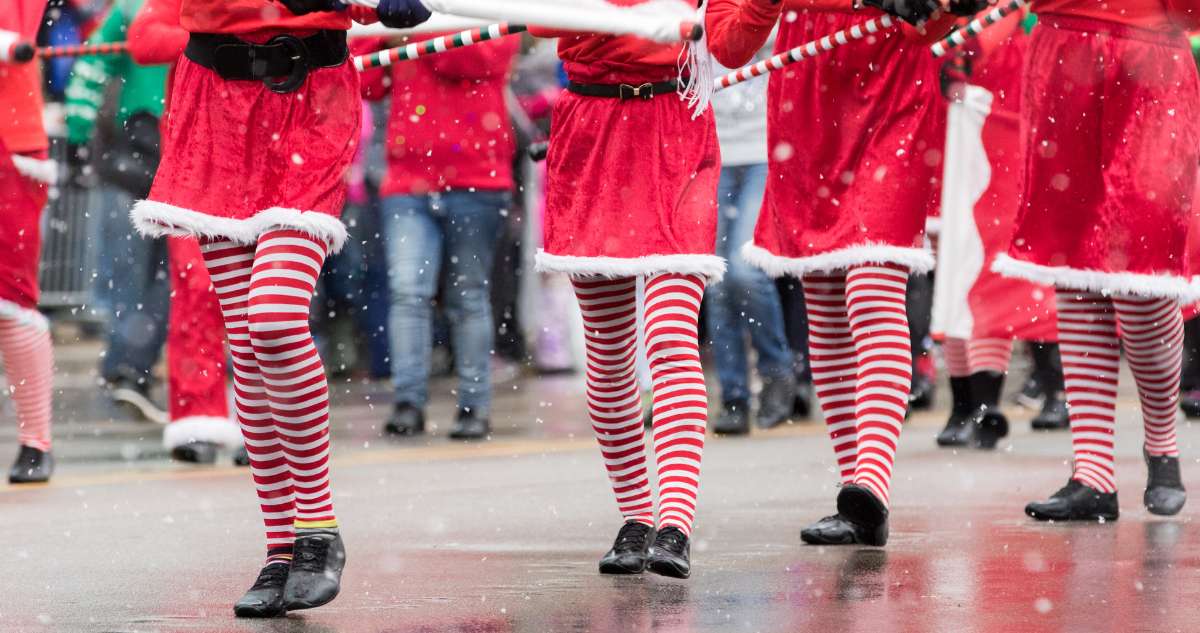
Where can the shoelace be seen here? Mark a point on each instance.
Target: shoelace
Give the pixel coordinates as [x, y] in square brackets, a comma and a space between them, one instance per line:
[309, 553]
[670, 539]
[271, 576]
[632, 537]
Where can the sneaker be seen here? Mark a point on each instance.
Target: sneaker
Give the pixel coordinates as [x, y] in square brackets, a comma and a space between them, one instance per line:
[265, 597]
[32, 466]
[802, 405]
[469, 425]
[671, 553]
[734, 418]
[630, 550]
[134, 395]
[1076, 502]
[776, 402]
[1165, 494]
[407, 420]
[315, 577]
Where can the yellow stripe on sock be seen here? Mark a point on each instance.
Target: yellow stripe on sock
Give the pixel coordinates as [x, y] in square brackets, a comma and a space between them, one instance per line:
[310, 525]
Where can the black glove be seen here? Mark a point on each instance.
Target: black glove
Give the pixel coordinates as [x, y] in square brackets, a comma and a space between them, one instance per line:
[911, 11]
[968, 8]
[955, 73]
[301, 7]
[402, 14]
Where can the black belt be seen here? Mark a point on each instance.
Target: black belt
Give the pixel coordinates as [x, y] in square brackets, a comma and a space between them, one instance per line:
[283, 63]
[623, 92]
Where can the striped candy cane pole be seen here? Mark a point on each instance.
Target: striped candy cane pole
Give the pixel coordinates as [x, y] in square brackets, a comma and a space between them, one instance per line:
[811, 49]
[974, 28]
[389, 56]
[79, 50]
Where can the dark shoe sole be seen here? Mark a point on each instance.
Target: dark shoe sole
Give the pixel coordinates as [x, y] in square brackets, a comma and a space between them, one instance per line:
[861, 507]
[1165, 510]
[18, 481]
[731, 431]
[191, 456]
[813, 539]
[614, 569]
[243, 612]
[990, 431]
[1049, 426]
[296, 605]
[668, 568]
[469, 436]
[403, 432]
[1096, 518]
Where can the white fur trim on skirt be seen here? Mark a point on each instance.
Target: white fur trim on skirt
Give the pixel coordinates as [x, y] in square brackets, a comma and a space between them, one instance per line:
[1108, 283]
[917, 260]
[156, 219]
[711, 266]
[24, 316]
[202, 428]
[42, 170]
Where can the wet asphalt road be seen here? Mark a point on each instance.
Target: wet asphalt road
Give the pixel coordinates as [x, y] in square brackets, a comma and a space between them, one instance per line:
[504, 536]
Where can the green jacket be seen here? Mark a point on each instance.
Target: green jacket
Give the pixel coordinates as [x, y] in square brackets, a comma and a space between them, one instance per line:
[142, 87]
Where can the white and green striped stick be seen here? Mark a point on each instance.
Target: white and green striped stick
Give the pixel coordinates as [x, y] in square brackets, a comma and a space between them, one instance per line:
[470, 37]
[974, 28]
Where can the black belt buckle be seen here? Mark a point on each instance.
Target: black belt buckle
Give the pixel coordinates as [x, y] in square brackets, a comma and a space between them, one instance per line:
[295, 50]
[644, 91]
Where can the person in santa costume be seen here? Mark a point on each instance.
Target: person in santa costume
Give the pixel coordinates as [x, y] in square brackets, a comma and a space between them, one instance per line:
[25, 177]
[262, 124]
[1109, 92]
[978, 313]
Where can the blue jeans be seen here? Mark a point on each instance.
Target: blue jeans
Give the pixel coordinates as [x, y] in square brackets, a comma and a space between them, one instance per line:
[746, 299]
[459, 230]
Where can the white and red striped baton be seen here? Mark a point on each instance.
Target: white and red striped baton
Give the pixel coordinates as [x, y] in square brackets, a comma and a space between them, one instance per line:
[389, 56]
[973, 28]
[805, 51]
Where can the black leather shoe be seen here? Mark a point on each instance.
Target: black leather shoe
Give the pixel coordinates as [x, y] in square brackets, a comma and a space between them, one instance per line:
[832, 530]
[921, 396]
[316, 574]
[802, 405]
[1165, 494]
[32, 466]
[734, 418]
[866, 512]
[406, 420]
[775, 402]
[470, 426]
[989, 423]
[671, 553]
[265, 598]
[630, 550]
[1076, 502]
[1054, 415]
[957, 432]
[1189, 402]
[196, 452]
[241, 457]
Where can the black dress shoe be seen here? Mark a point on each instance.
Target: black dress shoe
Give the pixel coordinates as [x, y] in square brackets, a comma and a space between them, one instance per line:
[866, 512]
[406, 420]
[832, 530]
[921, 396]
[1189, 402]
[32, 466]
[196, 452]
[1054, 415]
[734, 418]
[265, 598]
[802, 404]
[241, 457]
[316, 574]
[470, 426]
[630, 550]
[1076, 502]
[1165, 494]
[671, 553]
[776, 401]
[957, 431]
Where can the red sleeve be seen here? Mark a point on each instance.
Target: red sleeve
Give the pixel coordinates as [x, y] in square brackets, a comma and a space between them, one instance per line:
[155, 36]
[737, 29]
[1185, 13]
[363, 15]
[489, 60]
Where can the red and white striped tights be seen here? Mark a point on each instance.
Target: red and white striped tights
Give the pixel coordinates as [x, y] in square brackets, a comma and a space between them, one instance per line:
[281, 393]
[29, 369]
[965, 357]
[672, 311]
[861, 359]
[1151, 331]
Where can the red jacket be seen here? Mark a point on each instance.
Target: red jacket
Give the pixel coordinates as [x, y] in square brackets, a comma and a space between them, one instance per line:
[21, 126]
[155, 36]
[254, 18]
[449, 126]
[1147, 14]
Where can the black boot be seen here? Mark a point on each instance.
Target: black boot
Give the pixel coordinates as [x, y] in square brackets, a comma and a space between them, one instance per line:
[921, 396]
[32, 466]
[316, 574]
[265, 598]
[776, 401]
[1189, 403]
[866, 512]
[196, 452]
[957, 431]
[1054, 415]
[836, 530]
[630, 551]
[671, 553]
[734, 418]
[1076, 502]
[802, 405]
[469, 425]
[1165, 494]
[406, 420]
[989, 423]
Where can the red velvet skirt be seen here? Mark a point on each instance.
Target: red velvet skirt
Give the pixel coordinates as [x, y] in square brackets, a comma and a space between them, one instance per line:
[631, 189]
[1112, 148]
[24, 190]
[239, 160]
[855, 139]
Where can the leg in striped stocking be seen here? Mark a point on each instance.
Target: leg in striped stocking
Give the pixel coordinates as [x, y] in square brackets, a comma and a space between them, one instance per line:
[1091, 358]
[834, 365]
[989, 354]
[29, 368]
[1152, 336]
